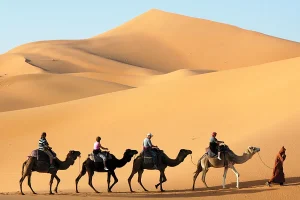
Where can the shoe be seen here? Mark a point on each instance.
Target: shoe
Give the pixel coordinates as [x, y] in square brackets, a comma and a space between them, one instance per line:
[154, 167]
[219, 158]
[105, 168]
[268, 184]
[52, 166]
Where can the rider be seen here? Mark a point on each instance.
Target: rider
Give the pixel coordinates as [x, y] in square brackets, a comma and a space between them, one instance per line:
[214, 144]
[44, 146]
[148, 147]
[97, 151]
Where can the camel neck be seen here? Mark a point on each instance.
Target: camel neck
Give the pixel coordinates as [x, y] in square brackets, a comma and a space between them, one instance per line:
[243, 158]
[120, 163]
[63, 165]
[172, 162]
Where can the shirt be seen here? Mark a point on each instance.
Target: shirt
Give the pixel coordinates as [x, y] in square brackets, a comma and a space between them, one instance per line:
[97, 146]
[213, 140]
[43, 143]
[147, 143]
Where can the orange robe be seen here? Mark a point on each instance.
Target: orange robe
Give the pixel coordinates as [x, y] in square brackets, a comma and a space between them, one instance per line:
[278, 174]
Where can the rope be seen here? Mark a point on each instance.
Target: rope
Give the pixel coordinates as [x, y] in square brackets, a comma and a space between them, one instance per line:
[192, 159]
[263, 161]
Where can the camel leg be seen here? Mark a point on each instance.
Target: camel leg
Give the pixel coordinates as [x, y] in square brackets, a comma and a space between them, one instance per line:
[51, 182]
[203, 177]
[130, 177]
[108, 181]
[224, 176]
[82, 173]
[21, 182]
[237, 176]
[140, 174]
[115, 180]
[164, 179]
[162, 175]
[29, 183]
[91, 174]
[195, 178]
[58, 181]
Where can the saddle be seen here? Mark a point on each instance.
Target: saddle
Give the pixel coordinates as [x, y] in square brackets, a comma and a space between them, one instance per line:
[148, 159]
[223, 149]
[97, 157]
[41, 155]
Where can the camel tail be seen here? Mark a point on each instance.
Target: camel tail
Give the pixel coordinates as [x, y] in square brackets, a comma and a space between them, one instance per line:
[23, 166]
[199, 167]
[83, 169]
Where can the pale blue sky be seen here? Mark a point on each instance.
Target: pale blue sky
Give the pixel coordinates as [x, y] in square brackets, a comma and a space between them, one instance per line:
[24, 21]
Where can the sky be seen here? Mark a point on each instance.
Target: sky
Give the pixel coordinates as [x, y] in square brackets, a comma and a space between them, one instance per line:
[24, 21]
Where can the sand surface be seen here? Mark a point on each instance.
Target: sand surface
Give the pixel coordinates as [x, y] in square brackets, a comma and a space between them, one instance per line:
[140, 78]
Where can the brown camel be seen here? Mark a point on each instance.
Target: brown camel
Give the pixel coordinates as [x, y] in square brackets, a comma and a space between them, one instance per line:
[228, 161]
[42, 166]
[91, 167]
[164, 162]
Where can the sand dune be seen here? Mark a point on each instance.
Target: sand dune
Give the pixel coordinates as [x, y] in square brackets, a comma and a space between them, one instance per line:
[32, 90]
[172, 76]
[250, 106]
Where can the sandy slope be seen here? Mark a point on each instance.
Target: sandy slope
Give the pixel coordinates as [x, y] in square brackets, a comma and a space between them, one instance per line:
[31, 90]
[249, 106]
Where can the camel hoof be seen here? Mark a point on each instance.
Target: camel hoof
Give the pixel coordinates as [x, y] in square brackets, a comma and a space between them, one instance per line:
[22, 193]
[132, 191]
[162, 190]
[34, 193]
[97, 192]
[146, 190]
[51, 193]
[109, 191]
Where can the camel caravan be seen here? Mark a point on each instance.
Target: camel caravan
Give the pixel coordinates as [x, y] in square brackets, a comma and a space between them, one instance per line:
[44, 160]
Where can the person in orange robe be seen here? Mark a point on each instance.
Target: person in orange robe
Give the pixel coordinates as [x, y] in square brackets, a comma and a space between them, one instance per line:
[278, 174]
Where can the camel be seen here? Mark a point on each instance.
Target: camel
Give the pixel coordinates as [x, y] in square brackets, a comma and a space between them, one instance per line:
[164, 162]
[32, 164]
[91, 167]
[228, 161]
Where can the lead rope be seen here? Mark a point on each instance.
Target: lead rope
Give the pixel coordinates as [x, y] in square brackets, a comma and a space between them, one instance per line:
[192, 159]
[263, 161]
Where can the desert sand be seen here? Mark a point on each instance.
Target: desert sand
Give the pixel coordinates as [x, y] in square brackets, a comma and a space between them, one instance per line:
[179, 78]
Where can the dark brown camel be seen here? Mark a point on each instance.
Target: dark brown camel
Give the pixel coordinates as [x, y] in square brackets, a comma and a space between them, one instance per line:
[42, 166]
[164, 162]
[91, 167]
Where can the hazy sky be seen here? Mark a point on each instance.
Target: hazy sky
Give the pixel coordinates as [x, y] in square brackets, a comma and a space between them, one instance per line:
[24, 21]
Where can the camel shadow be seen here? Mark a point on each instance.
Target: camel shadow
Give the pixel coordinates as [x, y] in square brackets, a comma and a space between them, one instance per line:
[248, 187]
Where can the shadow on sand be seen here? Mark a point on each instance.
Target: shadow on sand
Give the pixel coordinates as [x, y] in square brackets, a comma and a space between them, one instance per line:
[248, 187]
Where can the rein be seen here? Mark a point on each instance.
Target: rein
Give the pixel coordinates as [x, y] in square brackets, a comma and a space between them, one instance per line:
[192, 160]
[263, 161]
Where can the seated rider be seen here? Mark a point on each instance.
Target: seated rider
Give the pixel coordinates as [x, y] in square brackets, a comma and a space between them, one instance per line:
[214, 145]
[97, 151]
[148, 148]
[44, 146]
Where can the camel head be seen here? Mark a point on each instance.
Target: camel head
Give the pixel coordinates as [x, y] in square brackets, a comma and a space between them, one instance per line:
[72, 155]
[252, 150]
[184, 153]
[129, 153]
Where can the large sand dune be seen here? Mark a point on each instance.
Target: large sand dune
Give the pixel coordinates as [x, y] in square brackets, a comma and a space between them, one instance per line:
[177, 77]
